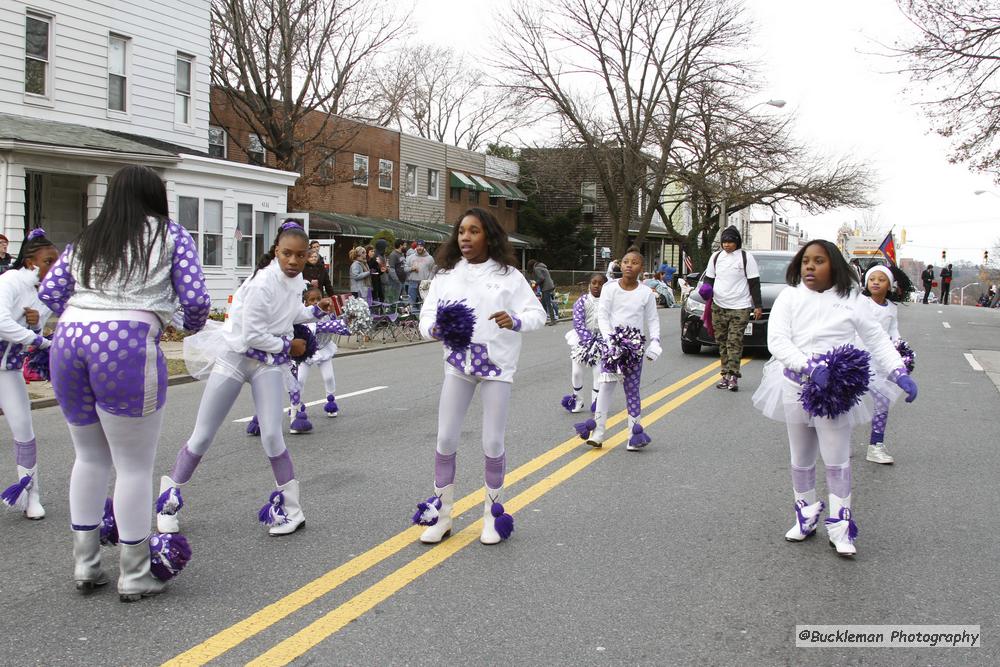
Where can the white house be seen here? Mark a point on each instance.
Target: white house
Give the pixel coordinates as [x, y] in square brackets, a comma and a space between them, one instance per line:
[769, 229]
[88, 86]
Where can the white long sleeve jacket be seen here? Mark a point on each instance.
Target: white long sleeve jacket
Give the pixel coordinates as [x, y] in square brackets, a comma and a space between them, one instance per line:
[804, 322]
[18, 290]
[631, 308]
[887, 316]
[487, 289]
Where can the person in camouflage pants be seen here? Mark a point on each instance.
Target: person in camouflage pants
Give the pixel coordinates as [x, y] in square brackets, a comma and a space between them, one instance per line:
[729, 324]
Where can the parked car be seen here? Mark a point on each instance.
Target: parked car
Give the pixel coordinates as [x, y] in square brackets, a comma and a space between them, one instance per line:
[772, 264]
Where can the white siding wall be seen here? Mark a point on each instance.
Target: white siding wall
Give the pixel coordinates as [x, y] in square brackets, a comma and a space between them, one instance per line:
[424, 154]
[78, 54]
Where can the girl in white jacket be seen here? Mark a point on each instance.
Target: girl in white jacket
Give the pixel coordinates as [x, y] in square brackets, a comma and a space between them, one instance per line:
[256, 343]
[583, 334]
[22, 316]
[476, 265]
[821, 311]
[624, 303]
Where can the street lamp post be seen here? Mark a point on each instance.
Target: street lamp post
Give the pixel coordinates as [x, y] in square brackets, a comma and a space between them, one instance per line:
[961, 292]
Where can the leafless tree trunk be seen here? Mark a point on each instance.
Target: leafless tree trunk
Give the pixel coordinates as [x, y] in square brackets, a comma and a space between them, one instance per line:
[434, 93]
[287, 66]
[617, 74]
[954, 63]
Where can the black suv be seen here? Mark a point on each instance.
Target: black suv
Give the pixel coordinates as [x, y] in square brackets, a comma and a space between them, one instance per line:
[772, 265]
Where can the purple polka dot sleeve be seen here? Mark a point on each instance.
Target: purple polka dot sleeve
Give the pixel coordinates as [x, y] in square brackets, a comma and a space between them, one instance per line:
[272, 358]
[58, 285]
[580, 320]
[335, 326]
[189, 280]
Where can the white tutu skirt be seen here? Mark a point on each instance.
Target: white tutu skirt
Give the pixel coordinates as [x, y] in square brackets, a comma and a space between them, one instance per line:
[777, 398]
[883, 385]
[201, 350]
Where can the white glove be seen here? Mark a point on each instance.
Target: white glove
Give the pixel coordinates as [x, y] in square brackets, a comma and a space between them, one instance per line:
[653, 350]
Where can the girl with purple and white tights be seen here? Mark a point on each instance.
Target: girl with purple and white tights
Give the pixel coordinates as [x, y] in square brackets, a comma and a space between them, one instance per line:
[585, 330]
[114, 291]
[22, 317]
[255, 344]
[479, 276]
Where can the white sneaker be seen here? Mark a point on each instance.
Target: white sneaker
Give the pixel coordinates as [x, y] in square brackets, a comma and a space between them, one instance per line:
[842, 530]
[806, 518]
[878, 454]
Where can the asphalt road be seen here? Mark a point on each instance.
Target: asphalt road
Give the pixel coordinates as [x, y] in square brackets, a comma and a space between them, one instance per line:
[672, 555]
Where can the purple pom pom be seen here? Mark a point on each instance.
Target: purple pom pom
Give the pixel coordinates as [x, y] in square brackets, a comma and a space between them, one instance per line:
[455, 322]
[908, 355]
[109, 527]
[331, 405]
[503, 523]
[37, 363]
[253, 428]
[849, 373]
[845, 515]
[168, 554]
[584, 429]
[170, 501]
[706, 291]
[16, 495]
[568, 402]
[301, 422]
[427, 512]
[625, 349]
[639, 437]
[273, 513]
[303, 332]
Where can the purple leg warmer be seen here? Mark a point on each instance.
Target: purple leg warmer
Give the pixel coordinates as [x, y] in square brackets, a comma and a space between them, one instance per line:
[838, 480]
[444, 469]
[282, 467]
[494, 471]
[184, 465]
[880, 418]
[803, 479]
[633, 401]
[25, 453]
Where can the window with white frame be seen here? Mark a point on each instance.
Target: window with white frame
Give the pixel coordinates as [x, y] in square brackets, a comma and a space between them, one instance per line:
[385, 168]
[211, 234]
[432, 184]
[37, 52]
[255, 150]
[411, 180]
[244, 235]
[588, 196]
[187, 215]
[216, 142]
[327, 167]
[118, 73]
[361, 170]
[182, 89]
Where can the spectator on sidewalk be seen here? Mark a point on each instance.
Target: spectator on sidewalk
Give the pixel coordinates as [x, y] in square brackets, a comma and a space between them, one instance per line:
[614, 270]
[419, 267]
[540, 274]
[315, 273]
[5, 258]
[927, 278]
[945, 284]
[361, 281]
[397, 271]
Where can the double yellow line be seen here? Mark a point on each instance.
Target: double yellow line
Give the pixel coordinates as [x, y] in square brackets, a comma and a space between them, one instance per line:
[310, 636]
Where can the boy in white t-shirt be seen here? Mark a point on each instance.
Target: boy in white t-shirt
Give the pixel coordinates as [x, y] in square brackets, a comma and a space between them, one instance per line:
[732, 282]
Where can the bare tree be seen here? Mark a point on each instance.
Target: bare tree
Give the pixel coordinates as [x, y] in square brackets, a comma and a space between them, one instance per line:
[433, 92]
[617, 74]
[955, 63]
[287, 67]
[726, 152]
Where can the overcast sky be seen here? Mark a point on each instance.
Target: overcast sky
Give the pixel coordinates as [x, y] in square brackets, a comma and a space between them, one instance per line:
[815, 56]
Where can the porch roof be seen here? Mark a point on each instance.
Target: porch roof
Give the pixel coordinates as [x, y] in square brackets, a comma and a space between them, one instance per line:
[22, 131]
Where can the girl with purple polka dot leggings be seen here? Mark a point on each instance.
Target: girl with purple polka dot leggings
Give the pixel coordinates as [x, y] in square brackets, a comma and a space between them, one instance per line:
[110, 379]
[633, 403]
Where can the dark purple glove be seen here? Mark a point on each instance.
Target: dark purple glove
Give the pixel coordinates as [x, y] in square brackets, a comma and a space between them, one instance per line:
[820, 376]
[705, 291]
[907, 384]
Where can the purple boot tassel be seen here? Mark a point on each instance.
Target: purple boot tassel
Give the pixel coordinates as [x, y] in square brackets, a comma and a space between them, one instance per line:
[16, 495]
[845, 515]
[168, 554]
[109, 527]
[301, 423]
[427, 512]
[170, 501]
[273, 513]
[584, 429]
[253, 428]
[639, 437]
[331, 408]
[502, 522]
[568, 402]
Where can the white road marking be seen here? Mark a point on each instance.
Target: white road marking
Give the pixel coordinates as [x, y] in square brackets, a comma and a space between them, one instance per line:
[972, 362]
[940, 311]
[322, 400]
[946, 325]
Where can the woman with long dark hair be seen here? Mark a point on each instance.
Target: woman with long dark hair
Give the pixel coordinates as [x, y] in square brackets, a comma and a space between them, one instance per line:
[477, 270]
[114, 290]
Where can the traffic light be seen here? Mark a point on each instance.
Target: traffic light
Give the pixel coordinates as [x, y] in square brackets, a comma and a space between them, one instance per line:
[944, 255]
[986, 257]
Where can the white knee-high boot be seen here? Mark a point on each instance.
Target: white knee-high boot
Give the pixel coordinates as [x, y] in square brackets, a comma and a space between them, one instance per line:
[87, 572]
[283, 512]
[497, 524]
[25, 495]
[435, 513]
[840, 526]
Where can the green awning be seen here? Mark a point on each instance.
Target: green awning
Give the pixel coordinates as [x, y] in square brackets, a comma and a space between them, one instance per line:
[504, 191]
[518, 195]
[486, 186]
[460, 180]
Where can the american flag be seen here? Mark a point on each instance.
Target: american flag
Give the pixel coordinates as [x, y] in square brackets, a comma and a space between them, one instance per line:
[688, 264]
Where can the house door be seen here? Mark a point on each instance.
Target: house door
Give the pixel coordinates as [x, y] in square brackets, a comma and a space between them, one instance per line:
[57, 203]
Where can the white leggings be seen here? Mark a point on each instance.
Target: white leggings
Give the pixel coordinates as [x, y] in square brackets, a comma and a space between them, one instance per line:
[129, 444]
[576, 377]
[825, 439]
[221, 391]
[456, 395]
[16, 405]
[326, 369]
